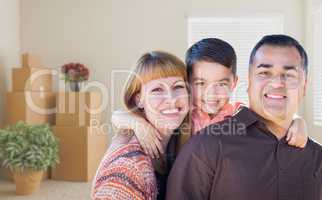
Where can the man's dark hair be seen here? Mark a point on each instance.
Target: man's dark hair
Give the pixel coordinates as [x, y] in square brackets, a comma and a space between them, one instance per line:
[211, 50]
[281, 41]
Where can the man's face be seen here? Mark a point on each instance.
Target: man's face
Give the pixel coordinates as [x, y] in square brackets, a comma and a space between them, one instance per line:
[277, 83]
[211, 85]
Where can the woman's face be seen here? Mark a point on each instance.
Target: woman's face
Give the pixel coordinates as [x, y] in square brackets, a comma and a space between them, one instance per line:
[165, 102]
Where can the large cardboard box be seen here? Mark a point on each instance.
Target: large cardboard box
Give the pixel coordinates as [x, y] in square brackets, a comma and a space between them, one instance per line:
[79, 109]
[31, 60]
[30, 107]
[33, 79]
[5, 174]
[81, 150]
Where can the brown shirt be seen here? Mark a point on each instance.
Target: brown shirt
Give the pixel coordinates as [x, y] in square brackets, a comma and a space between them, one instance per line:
[238, 159]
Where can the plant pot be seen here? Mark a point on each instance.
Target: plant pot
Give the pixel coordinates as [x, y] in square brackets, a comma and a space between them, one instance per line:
[27, 182]
[74, 86]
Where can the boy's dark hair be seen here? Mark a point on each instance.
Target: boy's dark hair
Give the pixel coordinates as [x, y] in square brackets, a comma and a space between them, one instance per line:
[211, 50]
[281, 41]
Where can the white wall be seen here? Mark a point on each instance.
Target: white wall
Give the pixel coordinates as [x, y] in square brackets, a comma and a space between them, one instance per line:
[112, 34]
[9, 45]
[311, 7]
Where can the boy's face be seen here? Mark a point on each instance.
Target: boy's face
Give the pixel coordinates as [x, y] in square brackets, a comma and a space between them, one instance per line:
[211, 85]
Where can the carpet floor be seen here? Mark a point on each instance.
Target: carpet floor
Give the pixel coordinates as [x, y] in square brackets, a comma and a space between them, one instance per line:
[49, 190]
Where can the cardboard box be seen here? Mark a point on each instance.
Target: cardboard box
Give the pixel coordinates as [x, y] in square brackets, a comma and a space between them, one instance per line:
[5, 174]
[79, 109]
[81, 150]
[32, 79]
[31, 60]
[31, 107]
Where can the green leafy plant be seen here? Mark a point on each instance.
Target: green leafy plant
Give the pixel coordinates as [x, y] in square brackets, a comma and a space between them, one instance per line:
[25, 147]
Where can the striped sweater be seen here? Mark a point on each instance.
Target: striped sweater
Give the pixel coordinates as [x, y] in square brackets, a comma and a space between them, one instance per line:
[126, 173]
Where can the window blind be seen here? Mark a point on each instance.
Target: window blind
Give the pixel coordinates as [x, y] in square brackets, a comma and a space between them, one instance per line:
[317, 69]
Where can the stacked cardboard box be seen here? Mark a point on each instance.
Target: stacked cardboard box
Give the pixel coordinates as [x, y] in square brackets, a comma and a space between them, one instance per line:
[31, 79]
[82, 141]
[78, 109]
[32, 99]
[30, 107]
[31, 60]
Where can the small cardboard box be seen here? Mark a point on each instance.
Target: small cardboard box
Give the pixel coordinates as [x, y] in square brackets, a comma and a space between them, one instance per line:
[30, 107]
[79, 109]
[81, 150]
[31, 60]
[32, 79]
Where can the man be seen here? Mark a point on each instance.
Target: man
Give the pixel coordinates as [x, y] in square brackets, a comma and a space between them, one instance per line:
[247, 157]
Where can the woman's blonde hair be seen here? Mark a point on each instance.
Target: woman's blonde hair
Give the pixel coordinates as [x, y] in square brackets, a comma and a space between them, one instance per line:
[153, 65]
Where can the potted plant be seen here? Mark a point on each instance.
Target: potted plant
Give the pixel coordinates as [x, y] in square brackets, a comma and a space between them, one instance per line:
[28, 151]
[74, 74]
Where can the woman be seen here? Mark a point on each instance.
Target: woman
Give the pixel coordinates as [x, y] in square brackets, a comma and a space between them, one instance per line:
[157, 92]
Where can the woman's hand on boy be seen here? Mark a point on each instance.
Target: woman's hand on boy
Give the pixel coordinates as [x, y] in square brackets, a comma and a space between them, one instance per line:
[297, 134]
[148, 137]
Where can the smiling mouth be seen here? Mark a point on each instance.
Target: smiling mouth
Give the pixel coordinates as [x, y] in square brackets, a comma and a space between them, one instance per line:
[275, 96]
[172, 111]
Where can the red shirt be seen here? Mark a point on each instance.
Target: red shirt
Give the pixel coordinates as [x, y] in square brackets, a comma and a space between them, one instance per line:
[202, 119]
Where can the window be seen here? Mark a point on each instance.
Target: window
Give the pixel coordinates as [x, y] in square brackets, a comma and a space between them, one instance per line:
[317, 69]
[242, 33]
